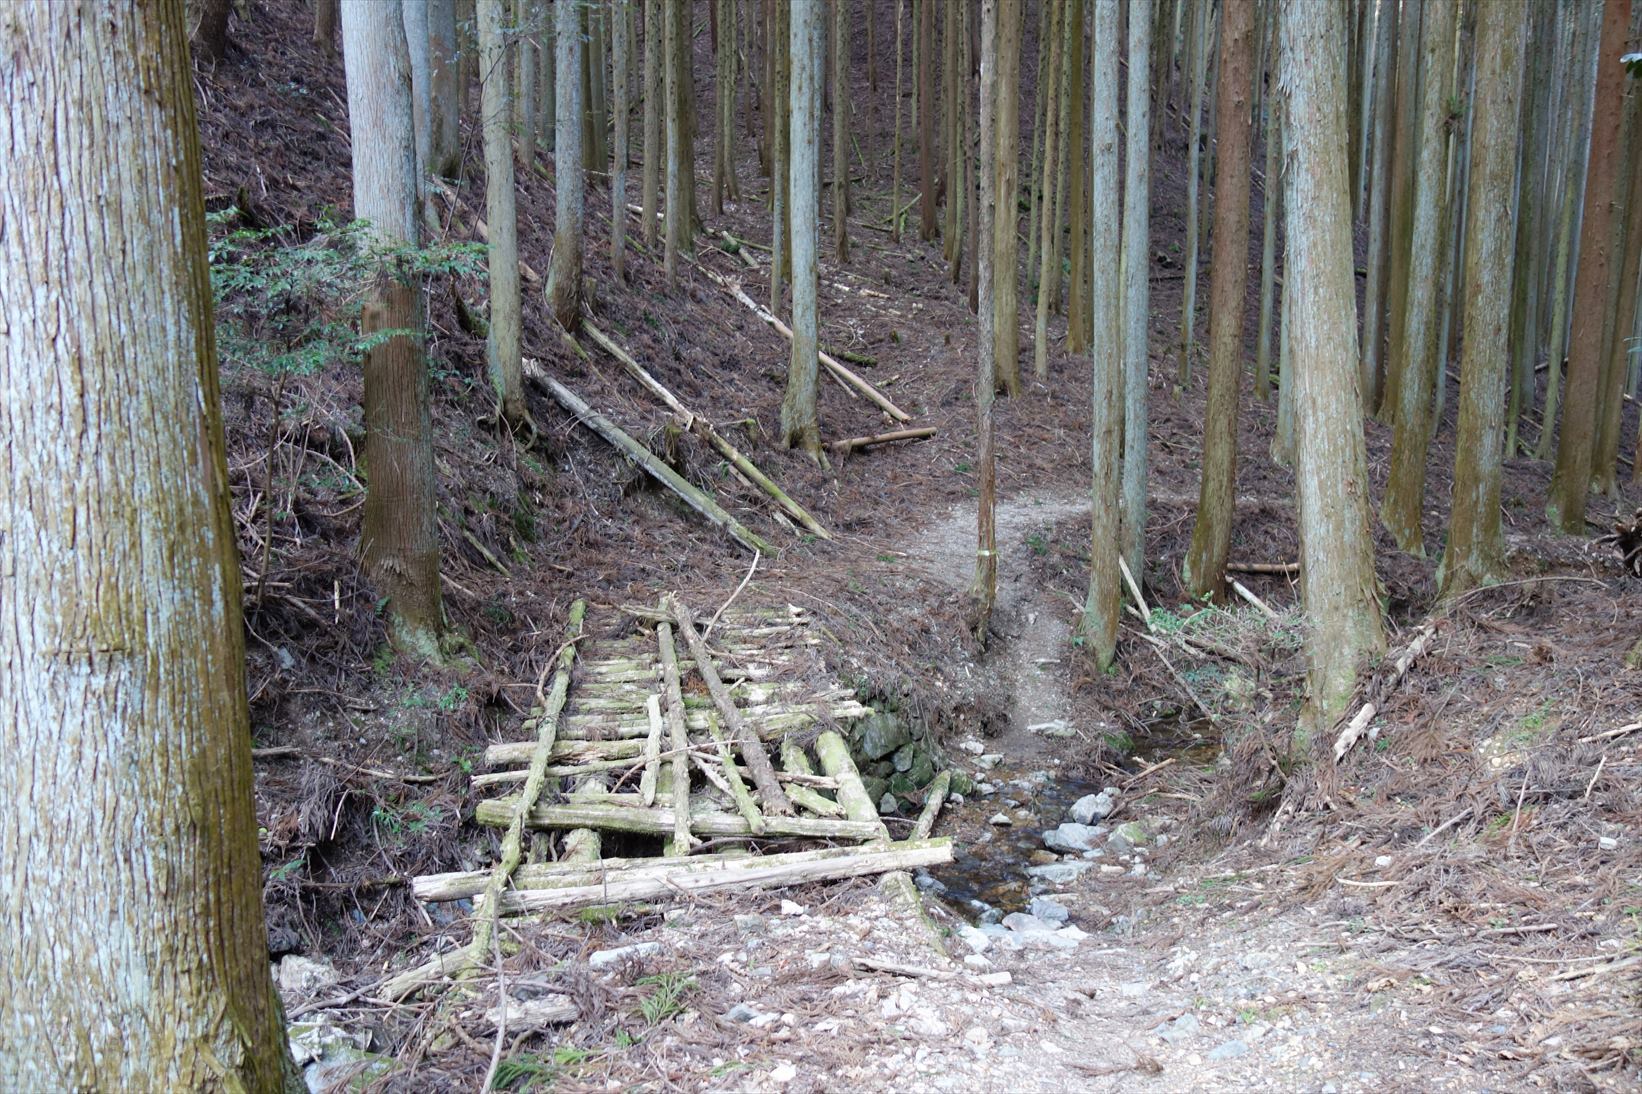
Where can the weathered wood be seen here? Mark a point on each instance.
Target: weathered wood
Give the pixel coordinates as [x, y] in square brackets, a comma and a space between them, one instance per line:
[665, 822]
[682, 841]
[732, 778]
[852, 444]
[932, 805]
[692, 496]
[797, 763]
[752, 749]
[605, 729]
[652, 750]
[834, 753]
[1384, 686]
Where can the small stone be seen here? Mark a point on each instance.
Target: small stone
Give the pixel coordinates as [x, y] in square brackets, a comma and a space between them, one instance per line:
[995, 979]
[929, 883]
[1000, 820]
[974, 938]
[989, 761]
[783, 1073]
[600, 959]
[300, 977]
[1050, 911]
[986, 790]
[887, 805]
[1091, 808]
[1058, 873]
[976, 961]
[1181, 1028]
[1606, 843]
[971, 746]
[1072, 837]
[955, 799]
[741, 1012]
[1109, 870]
[1382, 861]
[1126, 837]
[751, 924]
[1026, 923]
[1040, 857]
[789, 907]
[1134, 988]
[1231, 1050]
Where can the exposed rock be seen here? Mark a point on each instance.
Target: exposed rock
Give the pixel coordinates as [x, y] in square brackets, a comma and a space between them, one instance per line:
[888, 806]
[1181, 1029]
[741, 1012]
[302, 978]
[928, 883]
[1126, 837]
[973, 937]
[1026, 923]
[1001, 820]
[1040, 857]
[881, 734]
[989, 760]
[1059, 729]
[971, 746]
[1050, 911]
[783, 1073]
[320, 1038]
[1059, 873]
[1073, 837]
[1092, 807]
[601, 959]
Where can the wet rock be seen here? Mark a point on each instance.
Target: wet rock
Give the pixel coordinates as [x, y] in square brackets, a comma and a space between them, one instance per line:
[1073, 837]
[888, 806]
[1058, 873]
[1231, 1050]
[881, 734]
[922, 771]
[1040, 857]
[1092, 807]
[602, 959]
[1050, 911]
[961, 784]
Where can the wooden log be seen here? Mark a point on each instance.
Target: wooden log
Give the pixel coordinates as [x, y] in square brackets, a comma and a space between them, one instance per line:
[797, 763]
[665, 822]
[652, 751]
[732, 778]
[932, 805]
[852, 444]
[1281, 569]
[852, 795]
[1358, 725]
[428, 972]
[681, 841]
[752, 749]
[692, 496]
[607, 731]
[704, 428]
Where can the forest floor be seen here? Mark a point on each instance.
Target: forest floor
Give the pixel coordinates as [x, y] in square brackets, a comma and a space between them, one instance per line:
[1457, 905]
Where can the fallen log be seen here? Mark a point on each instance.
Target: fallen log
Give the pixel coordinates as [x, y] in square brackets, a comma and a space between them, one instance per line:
[796, 763]
[732, 778]
[852, 444]
[1358, 725]
[681, 841]
[852, 794]
[496, 812]
[693, 497]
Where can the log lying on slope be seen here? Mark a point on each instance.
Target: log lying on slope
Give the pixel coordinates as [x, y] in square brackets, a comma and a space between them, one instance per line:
[662, 822]
[695, 498]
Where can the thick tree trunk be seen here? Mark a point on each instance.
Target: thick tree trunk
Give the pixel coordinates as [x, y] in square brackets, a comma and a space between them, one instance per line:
[1404, 506]
[1528, 261]
[840, 131]
[502, 355]
[654, 85]
[1627, 236]
[799, 425]
[399, 539]
[1475, 548]
[1405, 145]
[1337, 579]
[1102, 606]
[1135, 269]
[1205, 565]
[1570, 483]
[1006, 217]
[685, 95]
[445, 137]
[781, 228]
[564, 278]
[135, 954]
[621, 49]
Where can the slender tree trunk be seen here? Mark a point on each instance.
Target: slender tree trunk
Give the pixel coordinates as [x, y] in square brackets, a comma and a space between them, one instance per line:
[926, 120]
[1570, 482]
[1271, 197]
[1376, 18]
[678, 214]
[1528, 259]
[1205, 566]
[1188, 297]
[840, 131]
[621, 49]
[895, 177]
[1627, 234]
[1282, 438]
[419, 45]
[598, 84]
[1048, 18]
[1404, 506]
[985, 586]
[547, 106]
[506, 317]
[799, 425]
[1078, 330]
[1135, 271]
[135, 954]
[1101, 607]
[870, 15]
[781, 241]
[564, 279]
[445, 137]
[685, 95]
[653, 110]
[1379, 207]
[1006, 199]
[325, 16]
[1337, 580]
[1475, 548]
[1042, 275]
[1405, 145]
[724, 86]
[524, 50]
[950, 224]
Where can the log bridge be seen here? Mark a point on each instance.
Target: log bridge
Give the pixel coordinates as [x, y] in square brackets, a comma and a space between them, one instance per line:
[715, 754]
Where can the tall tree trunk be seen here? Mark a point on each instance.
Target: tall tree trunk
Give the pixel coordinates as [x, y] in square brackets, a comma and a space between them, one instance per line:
[1188, 292]
[1271, 198]
[926, 119]
[781, 229]
[949, 135]
[1135, 270]
[325, 16]
[399, 539]
[685, 95]
[1205, 566]
[1627, 234]
[1078, 330]
[564, 278]
[1048, 18]
[840, 131]
[895, 176]
[1570, 483]
[1006, 197]
[1475, 548]
[502, 354]
[445, 137]
[653, 112]
[1379, 208]
[1337, 580]
[678, 215]
[984, 589]
[621, 48]
[524, 51]
[420, 51]
[1044, 276]
[1404, 147]
[799, 425]
[1404, 506]
[1101, 607]
[135, 954]
[1529, 256]
[870, 15]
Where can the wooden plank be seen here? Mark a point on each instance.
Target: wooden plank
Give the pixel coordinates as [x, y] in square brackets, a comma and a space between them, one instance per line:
[663, 822]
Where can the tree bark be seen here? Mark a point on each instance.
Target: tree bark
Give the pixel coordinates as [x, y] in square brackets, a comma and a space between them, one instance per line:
[1199, 53]
[523, 43]
[1078, 332]
[135, 954]
[1043, 276]
[926, 120]
[984, 586]
[1403, 509]
[840, 132]
[564, 279]
[445, 137]
[895, 174]
[1475, 548]
[620, 49]
[654, 83]
[1102, 606]
[1205, 565]
[1135, 269]
[1570, 483]
[209, 35]
[325, 16]
[1379, 199]
[1006, 216]
[678, 216]
[506, 323]
[1337, 580]
[419, 44]
[799, 425]
[1531, 193]
[1405, 143]
[1627, 236]
[781, 228]
[1271, 199]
